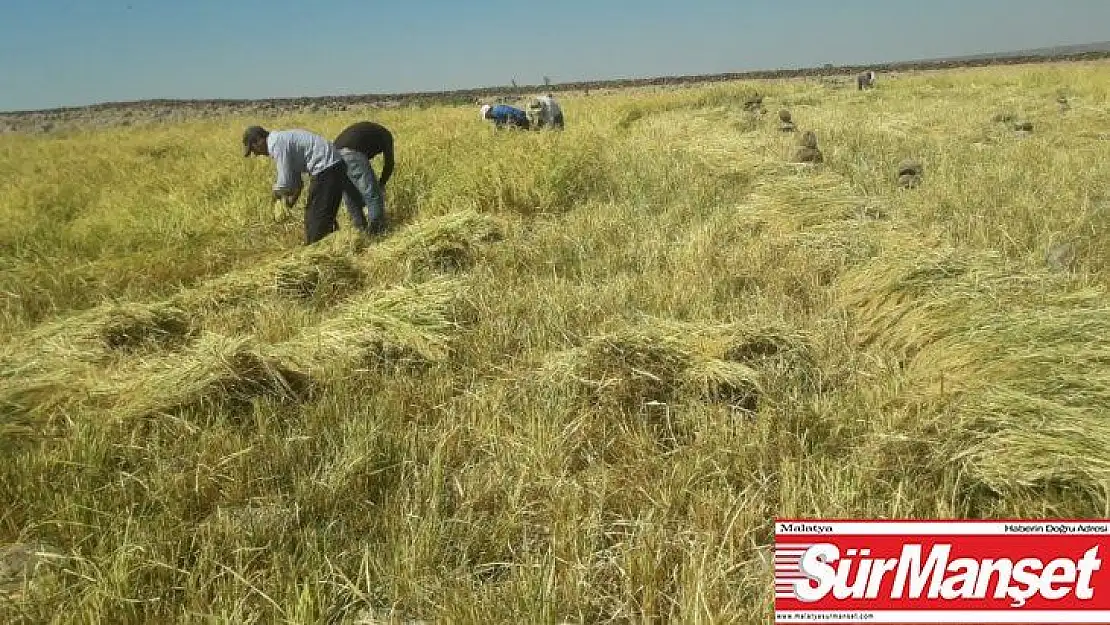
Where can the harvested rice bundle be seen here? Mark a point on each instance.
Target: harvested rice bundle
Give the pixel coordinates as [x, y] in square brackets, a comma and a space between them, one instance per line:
[46, 369]
[625, 369]
[404, 325]
[326, 271]
[661, 361]
[229, 289]
[444, 243]
[730, 383]
[92, 335]
[33, 391]
[216, 371]
[317, 275]
[129, 326]
[348, 242]
[752, 342]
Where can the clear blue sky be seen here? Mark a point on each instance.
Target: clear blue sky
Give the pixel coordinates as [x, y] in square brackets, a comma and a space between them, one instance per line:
[74, 52]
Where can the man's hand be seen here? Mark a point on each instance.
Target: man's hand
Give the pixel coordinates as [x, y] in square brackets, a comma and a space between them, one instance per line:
[289, 196]
[292, 198]
[280, 212]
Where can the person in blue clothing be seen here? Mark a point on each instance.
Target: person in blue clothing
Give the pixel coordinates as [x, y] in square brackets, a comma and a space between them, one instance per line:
[504, 116]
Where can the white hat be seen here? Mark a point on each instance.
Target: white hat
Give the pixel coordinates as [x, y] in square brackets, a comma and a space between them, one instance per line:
[485, 109]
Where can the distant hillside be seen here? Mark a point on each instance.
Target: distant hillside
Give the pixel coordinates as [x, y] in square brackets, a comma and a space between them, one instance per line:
[45, 120]
[1102, 47]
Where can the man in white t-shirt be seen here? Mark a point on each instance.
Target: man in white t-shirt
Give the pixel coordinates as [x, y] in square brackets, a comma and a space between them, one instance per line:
[545, 112]
[297, 152]
[865, 80]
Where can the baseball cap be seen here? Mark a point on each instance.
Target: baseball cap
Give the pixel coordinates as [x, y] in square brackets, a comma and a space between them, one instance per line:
[250, 135]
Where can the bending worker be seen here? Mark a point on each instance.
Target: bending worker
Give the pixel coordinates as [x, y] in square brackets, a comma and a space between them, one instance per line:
[358, 144]
[297, 152]
[504, 115]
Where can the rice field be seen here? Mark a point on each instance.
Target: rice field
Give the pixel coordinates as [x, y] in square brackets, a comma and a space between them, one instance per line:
[579, 379]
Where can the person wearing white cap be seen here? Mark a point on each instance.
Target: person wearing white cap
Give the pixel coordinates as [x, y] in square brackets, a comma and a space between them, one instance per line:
[504, 115]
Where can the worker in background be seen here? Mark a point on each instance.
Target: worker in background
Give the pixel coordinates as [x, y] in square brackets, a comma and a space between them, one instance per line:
[545, 112]
[505, 116]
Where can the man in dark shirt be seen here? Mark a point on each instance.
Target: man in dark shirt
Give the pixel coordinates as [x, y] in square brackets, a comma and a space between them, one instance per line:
[357, 145]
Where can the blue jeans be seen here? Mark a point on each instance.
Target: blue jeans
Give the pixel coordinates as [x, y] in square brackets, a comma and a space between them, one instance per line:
[362, 175]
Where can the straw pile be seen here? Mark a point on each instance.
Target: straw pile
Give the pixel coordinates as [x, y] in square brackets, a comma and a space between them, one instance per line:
[316, 275]
[443, 244]
[30, 392]
[324, 272]
[130, 326]
[72, 364]
[1005, 373]
[216, 372]
[628, 368]
[402, 326]
[43, 371]
[405, 326]
[665, 361]
[779, 353]
[94, 335]
[728, 383]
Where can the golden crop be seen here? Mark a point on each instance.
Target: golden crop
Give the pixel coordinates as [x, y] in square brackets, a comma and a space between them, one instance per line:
[580, 378]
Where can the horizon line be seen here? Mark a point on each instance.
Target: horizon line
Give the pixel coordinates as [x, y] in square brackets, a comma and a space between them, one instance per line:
[1085, 51]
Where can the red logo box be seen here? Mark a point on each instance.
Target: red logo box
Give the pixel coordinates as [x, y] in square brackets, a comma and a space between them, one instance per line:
[1022, 571]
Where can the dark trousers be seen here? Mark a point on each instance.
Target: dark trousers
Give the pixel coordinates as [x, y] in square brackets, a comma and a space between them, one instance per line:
[521, 122]
[325, 193]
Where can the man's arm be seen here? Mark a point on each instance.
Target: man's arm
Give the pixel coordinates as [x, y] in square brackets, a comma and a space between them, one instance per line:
[288, 185]
[387, 166]
[290, 196]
